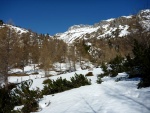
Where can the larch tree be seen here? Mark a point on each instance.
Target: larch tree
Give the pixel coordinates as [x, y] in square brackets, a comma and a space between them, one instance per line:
[45, 57]
[7, 51]
[61, 51]
[25, 38]
[73, 56]
[34, 50]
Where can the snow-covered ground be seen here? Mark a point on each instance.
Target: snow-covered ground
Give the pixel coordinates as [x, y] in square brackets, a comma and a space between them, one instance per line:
[108, 97]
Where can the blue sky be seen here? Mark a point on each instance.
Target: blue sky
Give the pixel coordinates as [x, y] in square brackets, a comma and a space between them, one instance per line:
[56, 16]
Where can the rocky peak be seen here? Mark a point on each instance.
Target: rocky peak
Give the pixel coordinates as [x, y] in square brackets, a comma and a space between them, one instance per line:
[111, 28]
[75, 27]
[144, 19]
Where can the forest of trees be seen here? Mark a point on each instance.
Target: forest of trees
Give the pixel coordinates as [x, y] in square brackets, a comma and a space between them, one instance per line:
[19, 50]
[30, 48]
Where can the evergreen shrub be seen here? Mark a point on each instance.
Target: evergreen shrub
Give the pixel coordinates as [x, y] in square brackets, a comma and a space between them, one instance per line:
[60, 85]
[140, 64]
[28, 98]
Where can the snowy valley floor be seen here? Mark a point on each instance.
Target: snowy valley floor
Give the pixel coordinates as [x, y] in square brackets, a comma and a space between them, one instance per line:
[108, 97]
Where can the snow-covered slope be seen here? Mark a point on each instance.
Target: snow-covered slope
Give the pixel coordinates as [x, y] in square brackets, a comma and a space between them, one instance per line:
[108, 97]
[102, 30]
[75, 32]
[111, 28]
[18, 30]
[144, 19]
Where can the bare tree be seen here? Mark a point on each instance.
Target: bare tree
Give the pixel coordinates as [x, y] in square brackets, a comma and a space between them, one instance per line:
[7, 44]
[25, 46]
[45, 57]
[72, 56]
[61, 51]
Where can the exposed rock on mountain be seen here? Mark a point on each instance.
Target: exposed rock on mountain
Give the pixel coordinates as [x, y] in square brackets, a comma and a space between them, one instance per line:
[111, 28]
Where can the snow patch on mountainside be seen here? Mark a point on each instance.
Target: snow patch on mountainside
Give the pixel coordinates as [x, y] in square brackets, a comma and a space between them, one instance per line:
[144, 17]
[111, 19]
[108, 32]
[76, 31]
[124, 31]
[128, 16]
[17, 29]
[110, 28]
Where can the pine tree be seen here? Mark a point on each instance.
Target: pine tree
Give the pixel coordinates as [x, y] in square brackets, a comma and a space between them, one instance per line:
[139, 66]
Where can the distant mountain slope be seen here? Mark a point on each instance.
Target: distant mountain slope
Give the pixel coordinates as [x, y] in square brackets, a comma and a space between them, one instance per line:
[76, 31]
[111, 28]
[101, 41]
[15, 28]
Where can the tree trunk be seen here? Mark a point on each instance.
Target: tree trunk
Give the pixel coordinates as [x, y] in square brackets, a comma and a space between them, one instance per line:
[60, 66]
[69, 63]
[80, 60]
[74, 64]
[7, 59]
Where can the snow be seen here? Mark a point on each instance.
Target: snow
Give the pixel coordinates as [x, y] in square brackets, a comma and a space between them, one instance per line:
[18, 107]
[145, 11]
[108, 97]
[111, 19]
[18, 29]
[127, 16]
[38, 82]
[88, 44]
[61, 66]
[124, 31]
[15, 70]
[108, 31]
[74, 33]
[144, 17]
[107, 28]
[145, 24]
[30, 68]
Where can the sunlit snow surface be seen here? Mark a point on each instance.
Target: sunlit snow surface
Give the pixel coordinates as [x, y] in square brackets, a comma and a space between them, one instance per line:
[108, 97]
[73, 33]
[17, 29]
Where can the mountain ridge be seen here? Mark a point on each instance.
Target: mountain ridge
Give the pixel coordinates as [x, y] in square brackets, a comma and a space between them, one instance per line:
[113, 27]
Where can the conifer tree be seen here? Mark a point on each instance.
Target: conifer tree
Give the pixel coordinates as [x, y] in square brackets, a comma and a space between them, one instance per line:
[142, 63]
